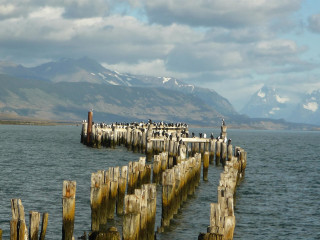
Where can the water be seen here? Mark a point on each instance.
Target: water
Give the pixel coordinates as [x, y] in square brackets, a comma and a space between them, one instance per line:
[277, 200]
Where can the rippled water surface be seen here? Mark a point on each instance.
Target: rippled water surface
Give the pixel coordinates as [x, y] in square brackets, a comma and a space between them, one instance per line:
[279, 198]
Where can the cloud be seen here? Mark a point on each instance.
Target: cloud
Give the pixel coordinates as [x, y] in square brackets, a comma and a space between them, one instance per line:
[215, 43]
[223, 13]
[72, 8]
[155, 67]
[314, 23]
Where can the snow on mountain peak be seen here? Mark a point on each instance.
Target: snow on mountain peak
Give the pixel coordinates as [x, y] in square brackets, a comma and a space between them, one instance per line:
[261, 94]
[311, 106]
[282, 99]
[273, 110]
[166, 79]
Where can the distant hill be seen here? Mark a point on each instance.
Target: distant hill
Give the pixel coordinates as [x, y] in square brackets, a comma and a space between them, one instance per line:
[71, 101]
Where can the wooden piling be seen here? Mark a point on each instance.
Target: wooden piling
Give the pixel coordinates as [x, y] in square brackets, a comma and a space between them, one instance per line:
[112, 234]
[167, 197]
[13, 229]
[34, 222]
[23, 232]
[89, 130]
[223, 153]
[218, 152]
[18, 228]
[114, 176]
[212, 147]
[122, 190]
[84, 132]
[205, 166]
[156, 169]
[44, 225]
[230, 152]
[151, 209]
[68, 209]
[131, 221]
[96, 199]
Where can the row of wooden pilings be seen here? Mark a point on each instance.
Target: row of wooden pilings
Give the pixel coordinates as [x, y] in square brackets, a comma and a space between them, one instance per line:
[18, 227]
[154, 138]
[108, 194]
[222, 218]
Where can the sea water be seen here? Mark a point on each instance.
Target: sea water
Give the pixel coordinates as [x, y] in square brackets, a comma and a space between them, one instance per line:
[278, 198]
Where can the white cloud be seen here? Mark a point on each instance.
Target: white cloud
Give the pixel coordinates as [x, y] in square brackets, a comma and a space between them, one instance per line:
[6, 9]
[152, 68]
[227, 13]
[47, 13]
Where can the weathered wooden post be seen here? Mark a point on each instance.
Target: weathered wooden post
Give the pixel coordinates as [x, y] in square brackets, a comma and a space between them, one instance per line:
[167, 197]
[151, 206]
[218, 152]
[34, 222]
[122, 189]
[104, 196]
[131, 221]
[156, 169]
[182, 151]
[129, 138]
[44, 225]
[142, 171]
[98, 137]
[149, 143]
[114, 176]
[223, 153]
[18, 228]
[135, 140]
[130, 189]
[223, 130]
[212, 149]
[84, 131]
[164, 161]
[230, 152]
[112, 234]
[89, 130]
[68, 209]
[96, 199]
[205, 166]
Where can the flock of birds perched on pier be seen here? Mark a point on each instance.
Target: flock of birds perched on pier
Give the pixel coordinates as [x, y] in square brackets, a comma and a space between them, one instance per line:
[158, 125]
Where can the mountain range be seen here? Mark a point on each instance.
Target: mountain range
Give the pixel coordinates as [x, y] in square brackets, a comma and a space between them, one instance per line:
[68, 88]
[269, 102]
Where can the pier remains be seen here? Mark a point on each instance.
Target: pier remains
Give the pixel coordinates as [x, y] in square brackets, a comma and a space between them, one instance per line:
[173, 160]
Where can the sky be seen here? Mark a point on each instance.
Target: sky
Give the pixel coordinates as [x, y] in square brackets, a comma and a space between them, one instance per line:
[231, 46]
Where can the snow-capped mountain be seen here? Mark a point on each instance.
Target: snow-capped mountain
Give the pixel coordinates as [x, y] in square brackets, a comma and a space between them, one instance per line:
[308, 111]
[273, 103]
[68, 87]
[268, 102]
[89, 71]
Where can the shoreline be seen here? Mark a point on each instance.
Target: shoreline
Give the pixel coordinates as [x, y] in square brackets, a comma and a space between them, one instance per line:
[261, 126]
